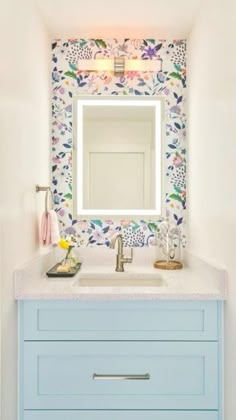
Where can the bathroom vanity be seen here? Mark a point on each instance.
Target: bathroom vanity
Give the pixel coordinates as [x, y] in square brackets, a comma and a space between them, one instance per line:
[120, 353]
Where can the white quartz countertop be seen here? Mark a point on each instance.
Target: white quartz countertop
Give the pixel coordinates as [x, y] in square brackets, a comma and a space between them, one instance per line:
[198, 280]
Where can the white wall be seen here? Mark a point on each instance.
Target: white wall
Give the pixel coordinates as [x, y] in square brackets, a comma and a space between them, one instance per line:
[24, 162]
[212, 157]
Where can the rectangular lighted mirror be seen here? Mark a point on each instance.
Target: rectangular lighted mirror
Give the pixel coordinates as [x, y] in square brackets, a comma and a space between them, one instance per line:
[118, 154]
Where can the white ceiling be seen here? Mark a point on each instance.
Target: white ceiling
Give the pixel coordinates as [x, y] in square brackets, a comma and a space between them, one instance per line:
[118, 19]
[123, 113]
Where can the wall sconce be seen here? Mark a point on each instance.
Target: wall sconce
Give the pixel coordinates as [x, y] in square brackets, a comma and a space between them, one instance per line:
[120, 65]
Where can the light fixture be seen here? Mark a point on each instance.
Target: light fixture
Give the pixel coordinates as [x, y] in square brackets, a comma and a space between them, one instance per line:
[120, 65]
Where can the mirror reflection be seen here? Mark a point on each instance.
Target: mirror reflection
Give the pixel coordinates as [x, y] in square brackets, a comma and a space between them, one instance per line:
[118, 156]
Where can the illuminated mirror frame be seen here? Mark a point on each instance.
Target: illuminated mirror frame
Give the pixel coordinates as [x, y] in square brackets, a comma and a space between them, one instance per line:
[149, 101]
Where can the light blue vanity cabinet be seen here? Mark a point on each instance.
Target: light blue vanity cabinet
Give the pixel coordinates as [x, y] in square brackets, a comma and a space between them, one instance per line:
[120, 360]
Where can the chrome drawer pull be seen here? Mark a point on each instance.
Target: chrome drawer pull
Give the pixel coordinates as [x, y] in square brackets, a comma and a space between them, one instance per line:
[104, 377]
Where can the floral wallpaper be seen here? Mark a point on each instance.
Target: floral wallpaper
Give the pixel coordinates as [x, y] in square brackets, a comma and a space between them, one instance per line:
[170, 83]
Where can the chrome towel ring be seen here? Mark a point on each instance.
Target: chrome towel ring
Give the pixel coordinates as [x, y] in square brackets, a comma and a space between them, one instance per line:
[47, 197]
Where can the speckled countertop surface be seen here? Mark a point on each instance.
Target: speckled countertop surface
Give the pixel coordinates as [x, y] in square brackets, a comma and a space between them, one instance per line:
[198, 280]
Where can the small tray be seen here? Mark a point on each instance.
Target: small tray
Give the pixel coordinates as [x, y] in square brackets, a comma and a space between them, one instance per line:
[54, 273]
[168, 265]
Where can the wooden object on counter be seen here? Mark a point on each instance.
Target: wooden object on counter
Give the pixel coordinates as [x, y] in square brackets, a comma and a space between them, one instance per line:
[168, 265]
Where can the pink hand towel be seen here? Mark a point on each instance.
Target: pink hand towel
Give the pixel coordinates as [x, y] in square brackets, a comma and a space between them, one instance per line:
[50, 234]
[54, 228]
[45, 229]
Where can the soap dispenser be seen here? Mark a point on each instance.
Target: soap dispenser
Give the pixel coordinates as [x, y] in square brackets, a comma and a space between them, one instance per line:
[168, 246]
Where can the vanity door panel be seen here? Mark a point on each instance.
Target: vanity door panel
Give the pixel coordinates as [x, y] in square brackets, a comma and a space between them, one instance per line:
[120, 375]
[120, 415]
[120, 320]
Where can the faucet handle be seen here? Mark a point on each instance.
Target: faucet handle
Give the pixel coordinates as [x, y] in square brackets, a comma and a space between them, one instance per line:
[129, 259]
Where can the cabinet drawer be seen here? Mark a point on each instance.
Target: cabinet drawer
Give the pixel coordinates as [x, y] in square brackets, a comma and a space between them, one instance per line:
[117, 415]
[171, 375]
[114, 320]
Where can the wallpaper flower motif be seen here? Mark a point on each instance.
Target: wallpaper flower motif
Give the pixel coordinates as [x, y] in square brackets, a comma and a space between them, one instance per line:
[170, 83]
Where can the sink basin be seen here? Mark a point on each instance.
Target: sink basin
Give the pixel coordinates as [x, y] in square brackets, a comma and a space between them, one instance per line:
[132, 277]
[86, 282]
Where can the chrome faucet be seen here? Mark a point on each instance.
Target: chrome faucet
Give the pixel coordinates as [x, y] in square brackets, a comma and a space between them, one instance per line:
[120, 259]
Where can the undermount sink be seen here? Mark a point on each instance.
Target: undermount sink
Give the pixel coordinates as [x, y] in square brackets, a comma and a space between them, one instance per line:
[107, 277]
[83, 282]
